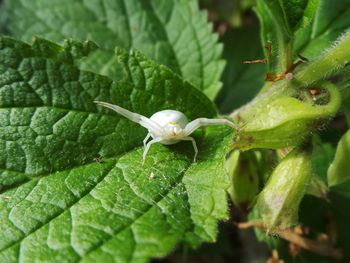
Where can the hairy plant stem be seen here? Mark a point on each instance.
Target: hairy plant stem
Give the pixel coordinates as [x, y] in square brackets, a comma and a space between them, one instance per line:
[333, 59]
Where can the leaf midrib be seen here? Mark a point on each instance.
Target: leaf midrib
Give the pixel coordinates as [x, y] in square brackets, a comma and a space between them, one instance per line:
[88, 192]
[178, 68]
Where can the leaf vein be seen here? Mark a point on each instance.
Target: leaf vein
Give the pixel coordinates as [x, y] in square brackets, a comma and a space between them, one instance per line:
[58, 214]
[162, 197]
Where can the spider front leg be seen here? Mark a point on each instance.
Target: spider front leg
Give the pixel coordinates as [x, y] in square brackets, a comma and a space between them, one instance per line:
[135, 117]
[148, 145]
[188, 138]
[202, 122]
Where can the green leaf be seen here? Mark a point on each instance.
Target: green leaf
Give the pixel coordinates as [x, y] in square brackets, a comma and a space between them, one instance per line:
[322, 155]
[241, 81]
[275, 29]
[331, 20]
[278, 13]
[174, 33]
[280, 20]
[338, 171]
[3, 21]
[298, 13]
[58, 203]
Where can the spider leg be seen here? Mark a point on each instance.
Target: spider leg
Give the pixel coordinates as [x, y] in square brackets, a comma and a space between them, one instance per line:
[188, 138]
[201, 122]
[146, 139]
[148, 145]
[135, 117]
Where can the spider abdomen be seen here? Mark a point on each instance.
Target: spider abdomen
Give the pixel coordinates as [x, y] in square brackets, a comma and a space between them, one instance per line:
[172, 123]
[165, 117]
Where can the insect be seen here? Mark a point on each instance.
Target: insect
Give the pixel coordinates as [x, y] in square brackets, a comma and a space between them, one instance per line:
[167, 126]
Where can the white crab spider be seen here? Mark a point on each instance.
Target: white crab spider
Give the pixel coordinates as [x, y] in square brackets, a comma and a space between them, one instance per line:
[167, 126]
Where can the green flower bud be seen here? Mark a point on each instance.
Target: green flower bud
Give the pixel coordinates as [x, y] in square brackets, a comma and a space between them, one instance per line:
[284, 121]
[279, 201]
[243, 169]
[338, 171]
